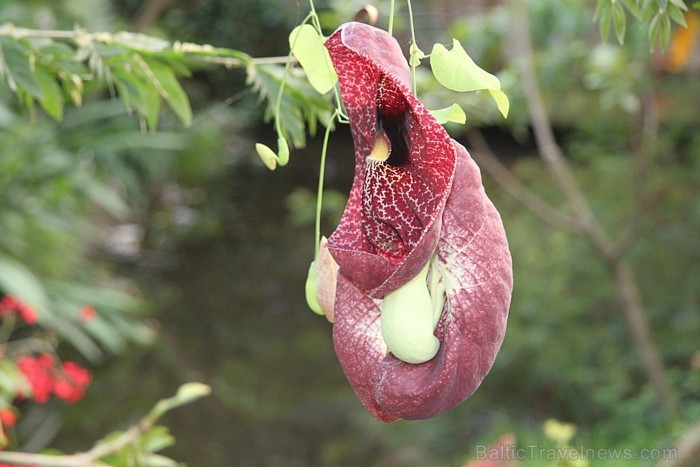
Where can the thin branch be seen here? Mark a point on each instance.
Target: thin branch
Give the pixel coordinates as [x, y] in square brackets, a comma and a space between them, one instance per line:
[81, 459]
[235, 62]
[9, 29]
[487, 160]
[186, 394]
[686, 449]
[192, 51]
[641, 147]
[551, 153]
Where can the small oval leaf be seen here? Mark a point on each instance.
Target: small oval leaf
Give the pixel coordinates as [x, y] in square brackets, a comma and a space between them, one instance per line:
[307, 46]
[455, 70]
[282, 151]
[267, 155]
[619, 21]
[310, 290]
[453, 113]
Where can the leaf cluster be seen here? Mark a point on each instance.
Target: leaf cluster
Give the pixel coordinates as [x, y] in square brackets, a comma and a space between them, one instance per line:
[656, 15]
[301, 108]
[53, 71]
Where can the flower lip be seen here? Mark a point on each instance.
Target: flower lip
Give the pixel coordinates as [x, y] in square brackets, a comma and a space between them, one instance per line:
[390, 226]
[380, 47]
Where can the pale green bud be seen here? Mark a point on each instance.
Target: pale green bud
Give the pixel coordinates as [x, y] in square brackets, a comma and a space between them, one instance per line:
[267, 155]
[408, 321]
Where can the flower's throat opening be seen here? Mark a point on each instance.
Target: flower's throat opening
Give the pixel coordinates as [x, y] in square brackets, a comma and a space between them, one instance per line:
[392, 120]
[395, 129]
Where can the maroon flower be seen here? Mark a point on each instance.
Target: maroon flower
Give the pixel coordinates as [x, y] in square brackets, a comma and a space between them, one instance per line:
[416, 206]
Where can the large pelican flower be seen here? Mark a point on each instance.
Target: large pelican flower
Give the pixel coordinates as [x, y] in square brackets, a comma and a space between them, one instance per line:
[424, 274]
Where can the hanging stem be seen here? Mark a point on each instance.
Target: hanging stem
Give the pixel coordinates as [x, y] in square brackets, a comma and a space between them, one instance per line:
[314, 17]
[319, 193]
[391, 19]
[413, 41]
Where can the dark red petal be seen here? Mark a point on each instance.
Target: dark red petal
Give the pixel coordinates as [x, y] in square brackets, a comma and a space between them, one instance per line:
[474, 250]
[358, 343]
[381, 249]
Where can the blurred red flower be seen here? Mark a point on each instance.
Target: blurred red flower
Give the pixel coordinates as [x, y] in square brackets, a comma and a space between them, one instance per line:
[7, 417]
[67, 382]
[87, 313]
[11, 304]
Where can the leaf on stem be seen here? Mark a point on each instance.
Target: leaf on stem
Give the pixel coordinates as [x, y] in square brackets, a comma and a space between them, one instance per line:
[307, 46]
[16, 56]
[52, 102]
[186, 394]
[455, 70]
[619, 21]
[453, 113]
[675, 12]
[170, 89]
[604, 14]
[415, 55]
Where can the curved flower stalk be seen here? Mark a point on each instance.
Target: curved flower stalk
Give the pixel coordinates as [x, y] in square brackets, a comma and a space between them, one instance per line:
[419, 245]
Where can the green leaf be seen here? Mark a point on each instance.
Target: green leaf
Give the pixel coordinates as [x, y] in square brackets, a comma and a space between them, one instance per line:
[137, 86]
[310, 290]
[619, 21]
[52, 101]
[676, 15]
[453, 113]
[455, 70]
[282, 151]
[186, 394]
[170, 90]
[600, 6]
[73, 87]
[634, 8]
[654, 29]
[606, 15]
[696, 5]
[17, 60]
[267, 155]
[416, 55]
[665, 32]
[156, 439]
[157, 460]
[501, 101]
[301, 107]
[680, 4]
[307, 46]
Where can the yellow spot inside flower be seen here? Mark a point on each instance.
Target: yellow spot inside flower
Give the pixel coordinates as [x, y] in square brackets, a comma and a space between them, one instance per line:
[381, 149]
